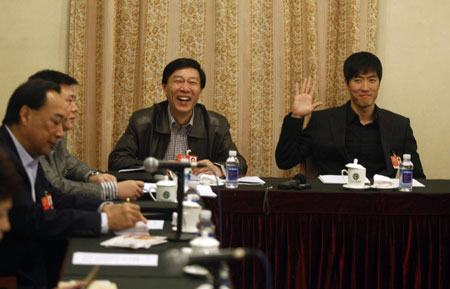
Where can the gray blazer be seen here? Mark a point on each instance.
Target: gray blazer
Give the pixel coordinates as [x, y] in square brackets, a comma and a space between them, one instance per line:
[67, 173]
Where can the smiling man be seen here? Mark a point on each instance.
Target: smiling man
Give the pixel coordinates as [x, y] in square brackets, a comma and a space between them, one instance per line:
[172, 127]
[358, 129]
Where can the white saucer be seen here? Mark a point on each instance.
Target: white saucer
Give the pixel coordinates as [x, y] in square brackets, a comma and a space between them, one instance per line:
[365, 187]
[384, 188]
[193, 231]
[196, 270]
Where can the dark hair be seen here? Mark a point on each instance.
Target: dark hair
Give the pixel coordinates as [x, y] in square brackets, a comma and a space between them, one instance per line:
[32, 94]
[55, 76]
[8, 178]
[181, 63]
[361, 63]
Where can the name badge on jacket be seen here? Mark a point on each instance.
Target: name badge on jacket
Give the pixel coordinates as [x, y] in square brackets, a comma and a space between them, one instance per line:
[47, 201]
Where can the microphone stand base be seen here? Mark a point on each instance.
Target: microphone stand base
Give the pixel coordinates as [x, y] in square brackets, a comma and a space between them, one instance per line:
[183, 237]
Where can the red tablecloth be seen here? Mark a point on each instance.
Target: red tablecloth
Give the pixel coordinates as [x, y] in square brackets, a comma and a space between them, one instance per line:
[327, 237]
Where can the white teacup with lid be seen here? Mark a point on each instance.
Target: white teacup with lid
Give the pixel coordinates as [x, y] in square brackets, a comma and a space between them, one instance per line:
[204, 244]
[191, 216]
[166, 191]
[356, 174]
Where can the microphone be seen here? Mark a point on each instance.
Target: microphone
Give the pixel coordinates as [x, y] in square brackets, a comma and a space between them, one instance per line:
[174, 260]
[298, 182]
[300, 178]
[151, 165]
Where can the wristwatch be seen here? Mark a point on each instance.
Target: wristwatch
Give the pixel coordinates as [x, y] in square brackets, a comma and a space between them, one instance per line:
[93, 173]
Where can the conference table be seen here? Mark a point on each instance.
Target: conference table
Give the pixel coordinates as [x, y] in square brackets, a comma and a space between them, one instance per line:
[129, 277]
[322, 237]
[329, 237]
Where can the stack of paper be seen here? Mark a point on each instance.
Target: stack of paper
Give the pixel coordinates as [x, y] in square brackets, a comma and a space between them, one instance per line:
[249, 180]
[338, 179]
[134, 242]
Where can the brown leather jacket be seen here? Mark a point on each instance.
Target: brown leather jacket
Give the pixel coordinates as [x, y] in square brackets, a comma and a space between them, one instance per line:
[148, 134]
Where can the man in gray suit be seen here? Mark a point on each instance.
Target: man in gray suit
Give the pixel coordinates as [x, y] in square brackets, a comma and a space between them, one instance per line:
[69, 174]
[358, 129]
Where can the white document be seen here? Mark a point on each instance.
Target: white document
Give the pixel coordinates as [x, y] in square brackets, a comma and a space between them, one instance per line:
[140, 229]
[341, 180]
[251, 180]
[205, 191]
[132, 170]
[208, 179]
[155, 224]
[416, 183]
[114, 259]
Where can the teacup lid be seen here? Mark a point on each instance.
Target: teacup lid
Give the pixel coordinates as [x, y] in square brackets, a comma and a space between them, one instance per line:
[204, 242]
[166, 182]
[190, 204]
[354, 165]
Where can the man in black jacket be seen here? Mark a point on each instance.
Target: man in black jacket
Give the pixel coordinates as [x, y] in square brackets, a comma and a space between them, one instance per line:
[41, 215]
[172, 127]
[358, 129]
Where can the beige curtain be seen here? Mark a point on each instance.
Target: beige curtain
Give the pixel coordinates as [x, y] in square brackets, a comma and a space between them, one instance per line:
[253, 52]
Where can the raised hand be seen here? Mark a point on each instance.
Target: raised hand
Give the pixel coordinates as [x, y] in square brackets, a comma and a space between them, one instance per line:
[302, 104]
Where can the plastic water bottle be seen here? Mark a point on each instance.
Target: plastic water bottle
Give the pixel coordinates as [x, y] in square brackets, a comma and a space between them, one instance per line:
[192, 194]
[206, 225]
[224, 275]
[406, 174]
[232, 166]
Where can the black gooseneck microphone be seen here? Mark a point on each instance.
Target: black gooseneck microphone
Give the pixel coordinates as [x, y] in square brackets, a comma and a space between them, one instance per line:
[152, 164]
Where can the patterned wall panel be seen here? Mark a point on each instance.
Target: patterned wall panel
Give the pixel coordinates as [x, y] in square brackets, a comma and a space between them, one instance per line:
[155, 46]
[261, 89]
[126, 66]
[100, 98]
[226, 63]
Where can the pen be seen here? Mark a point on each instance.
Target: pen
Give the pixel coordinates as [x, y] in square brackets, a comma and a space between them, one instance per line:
[90, 277]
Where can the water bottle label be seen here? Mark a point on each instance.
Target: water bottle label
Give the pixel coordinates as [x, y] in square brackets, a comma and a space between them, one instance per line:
[406, 177]
[232, 173]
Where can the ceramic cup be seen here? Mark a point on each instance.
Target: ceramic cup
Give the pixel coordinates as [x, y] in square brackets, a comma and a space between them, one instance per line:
[356, 174]
[166, 191]
[204, 245]
[191, 216]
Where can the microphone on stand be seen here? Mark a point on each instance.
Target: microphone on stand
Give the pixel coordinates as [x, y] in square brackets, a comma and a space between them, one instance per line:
[173, 261]
[152, 164]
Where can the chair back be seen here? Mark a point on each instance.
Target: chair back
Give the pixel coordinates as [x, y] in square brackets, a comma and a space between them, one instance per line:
[8, 282]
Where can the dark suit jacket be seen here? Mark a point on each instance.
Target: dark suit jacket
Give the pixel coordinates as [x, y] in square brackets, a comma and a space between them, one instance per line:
[148, 134]
[324, 140]
[22, 249]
